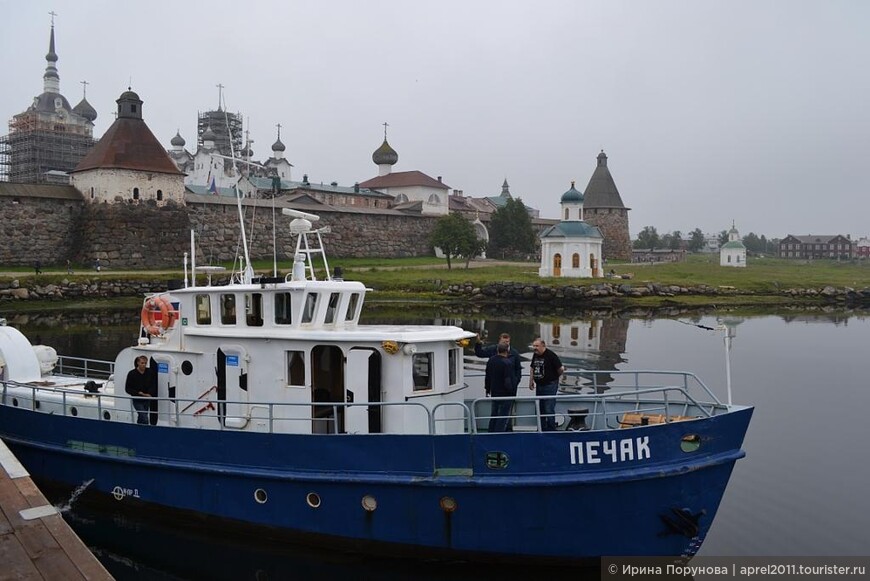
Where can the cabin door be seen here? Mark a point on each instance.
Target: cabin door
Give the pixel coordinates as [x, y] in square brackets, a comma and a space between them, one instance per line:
[232, 386]
[327, 387]
[363, 387]
[167, 380]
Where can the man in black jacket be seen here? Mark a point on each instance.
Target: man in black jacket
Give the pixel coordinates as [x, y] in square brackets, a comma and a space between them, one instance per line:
[545, 372]
[141, 385]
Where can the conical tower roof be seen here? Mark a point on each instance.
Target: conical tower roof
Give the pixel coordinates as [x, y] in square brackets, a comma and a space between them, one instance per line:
[601, 191]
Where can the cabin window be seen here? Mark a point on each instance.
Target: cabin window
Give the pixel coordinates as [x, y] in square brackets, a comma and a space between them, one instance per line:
[283, 309]
[228, 309]
[203, 310]
[422, 371]
[352, 305]
[310, 307]
[331, 308]
[454, 358]
[254, 309]
[296, 368]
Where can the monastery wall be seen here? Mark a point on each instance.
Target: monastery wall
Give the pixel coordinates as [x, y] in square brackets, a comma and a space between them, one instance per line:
[131, 235]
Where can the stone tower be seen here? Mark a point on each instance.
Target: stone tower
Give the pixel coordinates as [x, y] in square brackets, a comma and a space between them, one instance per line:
[603, 208]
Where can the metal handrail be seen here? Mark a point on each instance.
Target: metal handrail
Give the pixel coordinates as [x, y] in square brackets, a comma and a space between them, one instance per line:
[599, 403]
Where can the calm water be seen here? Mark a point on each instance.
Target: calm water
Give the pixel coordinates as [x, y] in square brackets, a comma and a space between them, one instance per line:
[801, 490]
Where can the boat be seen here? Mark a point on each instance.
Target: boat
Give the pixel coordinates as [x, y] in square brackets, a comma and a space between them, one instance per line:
[278, 411]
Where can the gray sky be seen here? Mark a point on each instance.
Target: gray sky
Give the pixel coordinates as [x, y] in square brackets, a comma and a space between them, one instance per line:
[756, 111]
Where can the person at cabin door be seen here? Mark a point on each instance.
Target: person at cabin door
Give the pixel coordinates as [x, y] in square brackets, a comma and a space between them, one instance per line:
[141, 385]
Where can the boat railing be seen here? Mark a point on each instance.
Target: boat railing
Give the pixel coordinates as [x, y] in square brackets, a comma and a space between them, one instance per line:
[574, 411]
[84, 367]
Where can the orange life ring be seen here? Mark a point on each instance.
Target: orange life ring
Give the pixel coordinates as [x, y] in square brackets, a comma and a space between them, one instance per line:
[150, 322]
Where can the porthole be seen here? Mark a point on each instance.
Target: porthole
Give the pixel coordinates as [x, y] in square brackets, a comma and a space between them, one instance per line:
[260, 496]
[107, 415]
[369, 503]
[313, 500]
[448, 504]
[14, 402]
[186, 367]
[690, 443]
[73, 411]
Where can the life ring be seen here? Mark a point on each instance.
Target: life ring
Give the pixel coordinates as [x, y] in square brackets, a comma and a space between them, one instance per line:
[150, 322]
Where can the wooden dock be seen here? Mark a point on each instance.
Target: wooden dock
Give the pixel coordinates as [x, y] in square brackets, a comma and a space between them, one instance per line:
[35, 541]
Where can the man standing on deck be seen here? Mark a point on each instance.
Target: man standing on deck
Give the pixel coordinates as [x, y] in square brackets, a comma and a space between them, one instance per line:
[545, 372]
[141, 385]
[513, 356]
[499, 382]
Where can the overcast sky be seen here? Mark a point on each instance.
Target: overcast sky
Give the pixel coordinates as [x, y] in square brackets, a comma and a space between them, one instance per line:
[756, 111]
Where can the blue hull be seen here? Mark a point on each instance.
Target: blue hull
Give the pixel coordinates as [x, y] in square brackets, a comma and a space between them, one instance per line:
[562, 495]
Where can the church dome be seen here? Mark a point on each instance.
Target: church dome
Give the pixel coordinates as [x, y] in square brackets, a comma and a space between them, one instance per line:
[572, 195]
[385, 155]
[85, 110]
[128, 94]
[178, 140]
[208, 134]
[278, 146]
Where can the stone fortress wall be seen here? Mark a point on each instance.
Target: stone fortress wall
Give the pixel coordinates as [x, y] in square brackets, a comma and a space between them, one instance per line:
[145, 235]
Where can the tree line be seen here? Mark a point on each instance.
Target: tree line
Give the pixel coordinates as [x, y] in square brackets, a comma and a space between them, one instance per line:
[511, 235]
[650, 239]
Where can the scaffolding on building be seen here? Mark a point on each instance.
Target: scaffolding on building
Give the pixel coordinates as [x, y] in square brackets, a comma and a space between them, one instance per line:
[223, 124]
[34, 151]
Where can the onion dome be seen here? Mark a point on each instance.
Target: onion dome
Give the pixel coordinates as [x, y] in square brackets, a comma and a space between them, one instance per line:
[85, 110]
[278, 146]
[246, 152]
[208, 135]
[385, 155]
[572, 195]
[178, 140]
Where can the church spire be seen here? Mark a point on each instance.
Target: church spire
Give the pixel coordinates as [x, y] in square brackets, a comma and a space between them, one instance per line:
[51, 79]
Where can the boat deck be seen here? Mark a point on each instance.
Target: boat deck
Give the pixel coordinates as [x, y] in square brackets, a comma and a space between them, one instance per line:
[35, 541]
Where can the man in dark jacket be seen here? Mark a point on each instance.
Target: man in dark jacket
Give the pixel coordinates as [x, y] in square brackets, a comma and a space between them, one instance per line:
[488, 351]
[545, 372]
[499, 382]
[142, 386]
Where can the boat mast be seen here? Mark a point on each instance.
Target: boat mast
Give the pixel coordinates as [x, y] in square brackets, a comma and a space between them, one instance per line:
[247, 274]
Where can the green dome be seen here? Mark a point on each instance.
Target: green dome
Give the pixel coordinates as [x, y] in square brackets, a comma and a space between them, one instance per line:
[572, 195]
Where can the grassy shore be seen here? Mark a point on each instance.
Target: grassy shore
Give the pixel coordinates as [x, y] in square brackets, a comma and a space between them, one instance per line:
[423, 278]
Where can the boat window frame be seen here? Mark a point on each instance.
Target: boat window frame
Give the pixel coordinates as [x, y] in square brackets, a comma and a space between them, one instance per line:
[309, 307]
[332, 308]
[430, 384]
[454, 361]
[205, 320]
[279, 298]
[288, 371]
[353, 305]
[225, 301]
[254, 309]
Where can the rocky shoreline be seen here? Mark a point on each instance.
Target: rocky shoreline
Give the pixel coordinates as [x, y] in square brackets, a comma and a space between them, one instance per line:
[562, 295]
[32, 288]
